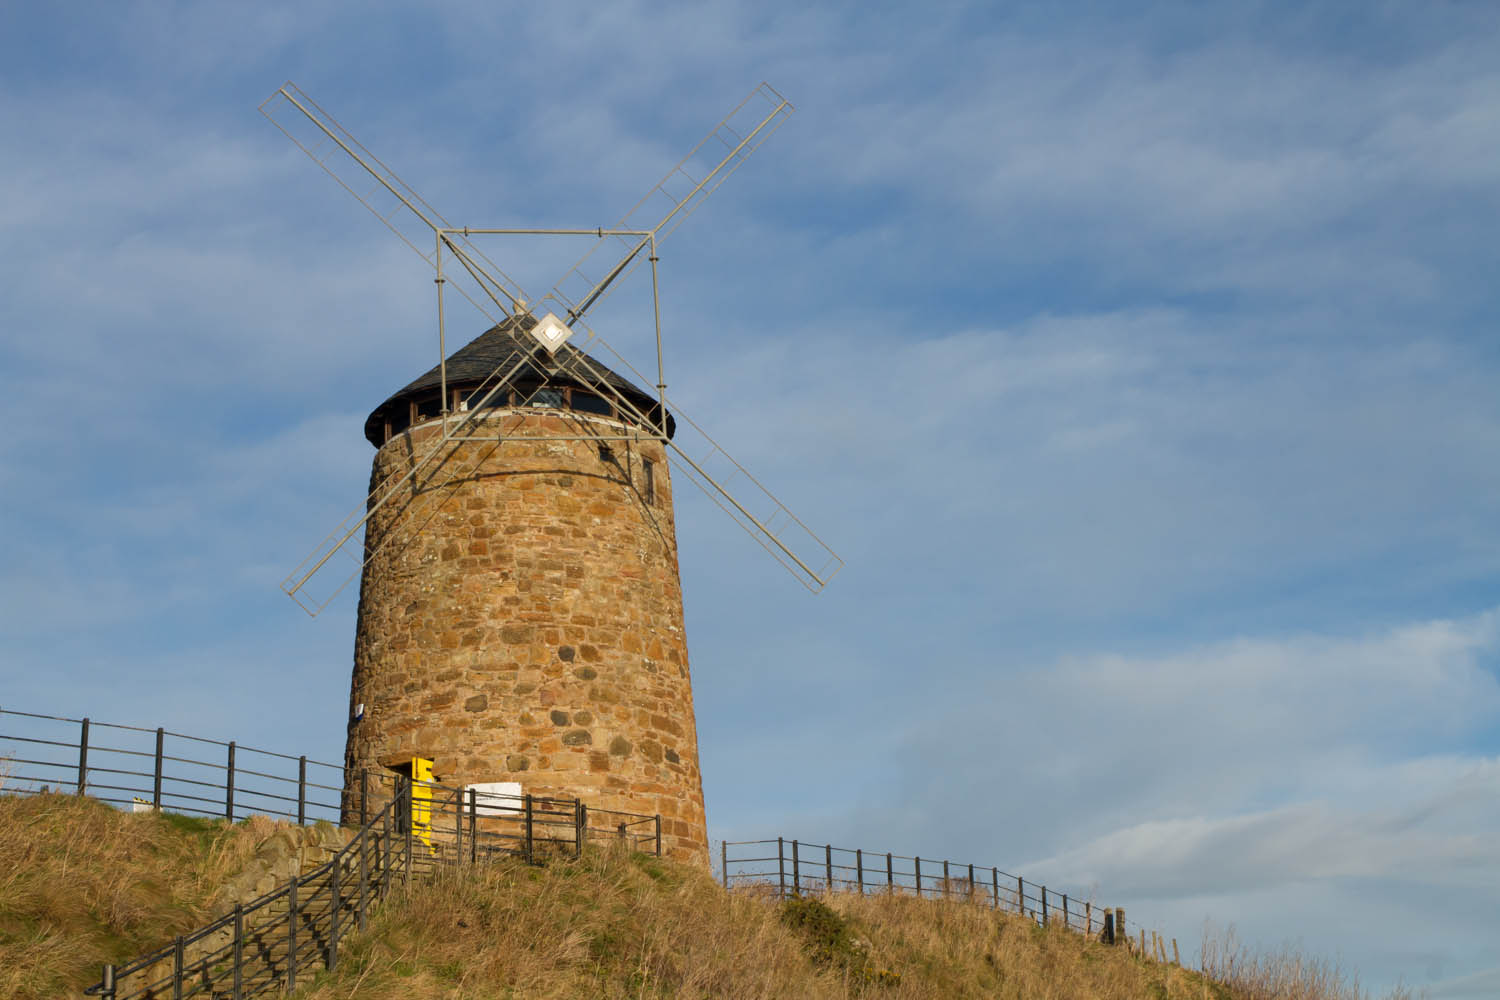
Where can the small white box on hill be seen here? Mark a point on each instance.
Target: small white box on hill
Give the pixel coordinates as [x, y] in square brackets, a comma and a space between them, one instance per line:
[496, 798]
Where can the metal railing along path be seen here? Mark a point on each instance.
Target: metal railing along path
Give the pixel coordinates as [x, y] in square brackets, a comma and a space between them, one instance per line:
[787, 868]
[136, 767]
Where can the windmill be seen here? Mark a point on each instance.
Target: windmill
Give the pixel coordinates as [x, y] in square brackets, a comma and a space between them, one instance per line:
[520, 608]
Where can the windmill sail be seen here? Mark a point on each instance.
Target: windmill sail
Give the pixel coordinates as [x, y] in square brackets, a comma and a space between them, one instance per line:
[676, 196]
[421, 491]
[387, 196]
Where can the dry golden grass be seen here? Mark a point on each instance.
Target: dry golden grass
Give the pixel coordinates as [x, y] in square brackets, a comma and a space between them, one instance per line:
[82, 884]
[1287, 975]
[612, 925]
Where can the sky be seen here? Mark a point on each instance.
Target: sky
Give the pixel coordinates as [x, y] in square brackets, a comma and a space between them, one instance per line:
[1138, 359]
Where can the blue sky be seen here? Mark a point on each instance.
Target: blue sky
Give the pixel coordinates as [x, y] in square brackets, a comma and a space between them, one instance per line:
[1140, 361]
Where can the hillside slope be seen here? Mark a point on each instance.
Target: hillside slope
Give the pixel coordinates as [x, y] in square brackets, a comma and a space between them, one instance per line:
[613, 925]
[82, 884]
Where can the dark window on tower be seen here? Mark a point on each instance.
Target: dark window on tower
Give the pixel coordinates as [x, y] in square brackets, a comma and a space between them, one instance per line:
[500, 398]
[429, 407]
[547, 397]
[648, 480]
[585, 402]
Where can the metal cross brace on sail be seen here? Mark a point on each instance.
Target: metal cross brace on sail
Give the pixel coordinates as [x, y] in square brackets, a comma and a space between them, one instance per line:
[315, 582]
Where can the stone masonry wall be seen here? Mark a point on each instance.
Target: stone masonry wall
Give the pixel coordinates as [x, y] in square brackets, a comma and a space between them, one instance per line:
[524, 623]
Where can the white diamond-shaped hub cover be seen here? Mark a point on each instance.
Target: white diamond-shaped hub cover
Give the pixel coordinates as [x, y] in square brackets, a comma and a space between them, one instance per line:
[551, 332]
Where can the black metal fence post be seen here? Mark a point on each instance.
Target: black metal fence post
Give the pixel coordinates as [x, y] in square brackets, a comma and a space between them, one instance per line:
[364, 872]
[179, 958]
[83, 756]
[301, 790]
[407, 824]
[237, 985]
[658, 835]
[161, 737]
[474, 825]
[385, 847]
[229, 786]
[577, 828]
[291, 935]
[335, 904]
[527, 855]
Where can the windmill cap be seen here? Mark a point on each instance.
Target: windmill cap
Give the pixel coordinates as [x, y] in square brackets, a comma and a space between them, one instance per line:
[502, 347]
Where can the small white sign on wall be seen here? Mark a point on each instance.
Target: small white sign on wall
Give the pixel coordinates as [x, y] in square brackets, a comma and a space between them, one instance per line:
[496, 798]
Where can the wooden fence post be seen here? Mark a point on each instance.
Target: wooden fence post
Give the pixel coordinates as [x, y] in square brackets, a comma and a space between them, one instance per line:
[780, 868]
[917, 868]
[1088, 918]
[995, 886]
[828, 865]
[724, 862]
[1044, 906]
[1109, 926]
[796, 871]
[1020, 896]
[859, 869]
[890, 874]
[179, 959]
[945, 879]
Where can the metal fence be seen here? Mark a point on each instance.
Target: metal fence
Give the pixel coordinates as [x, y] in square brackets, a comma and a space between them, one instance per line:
[796, 868]
[132, 766]
[260, 948]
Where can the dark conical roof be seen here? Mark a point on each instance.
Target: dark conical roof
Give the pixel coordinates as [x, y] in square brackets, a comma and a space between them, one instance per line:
[503, 346]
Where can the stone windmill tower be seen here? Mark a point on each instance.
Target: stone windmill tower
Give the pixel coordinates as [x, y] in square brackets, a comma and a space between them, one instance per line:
[520, 610]
[529, 629]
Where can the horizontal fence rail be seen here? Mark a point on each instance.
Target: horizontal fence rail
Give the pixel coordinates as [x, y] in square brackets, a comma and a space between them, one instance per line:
[137, 768]
[787, 868]
[260, 948]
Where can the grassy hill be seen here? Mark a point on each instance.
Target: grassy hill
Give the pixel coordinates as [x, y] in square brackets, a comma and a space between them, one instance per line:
[82, 884]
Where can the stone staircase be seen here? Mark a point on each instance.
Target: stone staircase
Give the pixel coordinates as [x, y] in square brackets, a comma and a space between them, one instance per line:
[262, 947]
